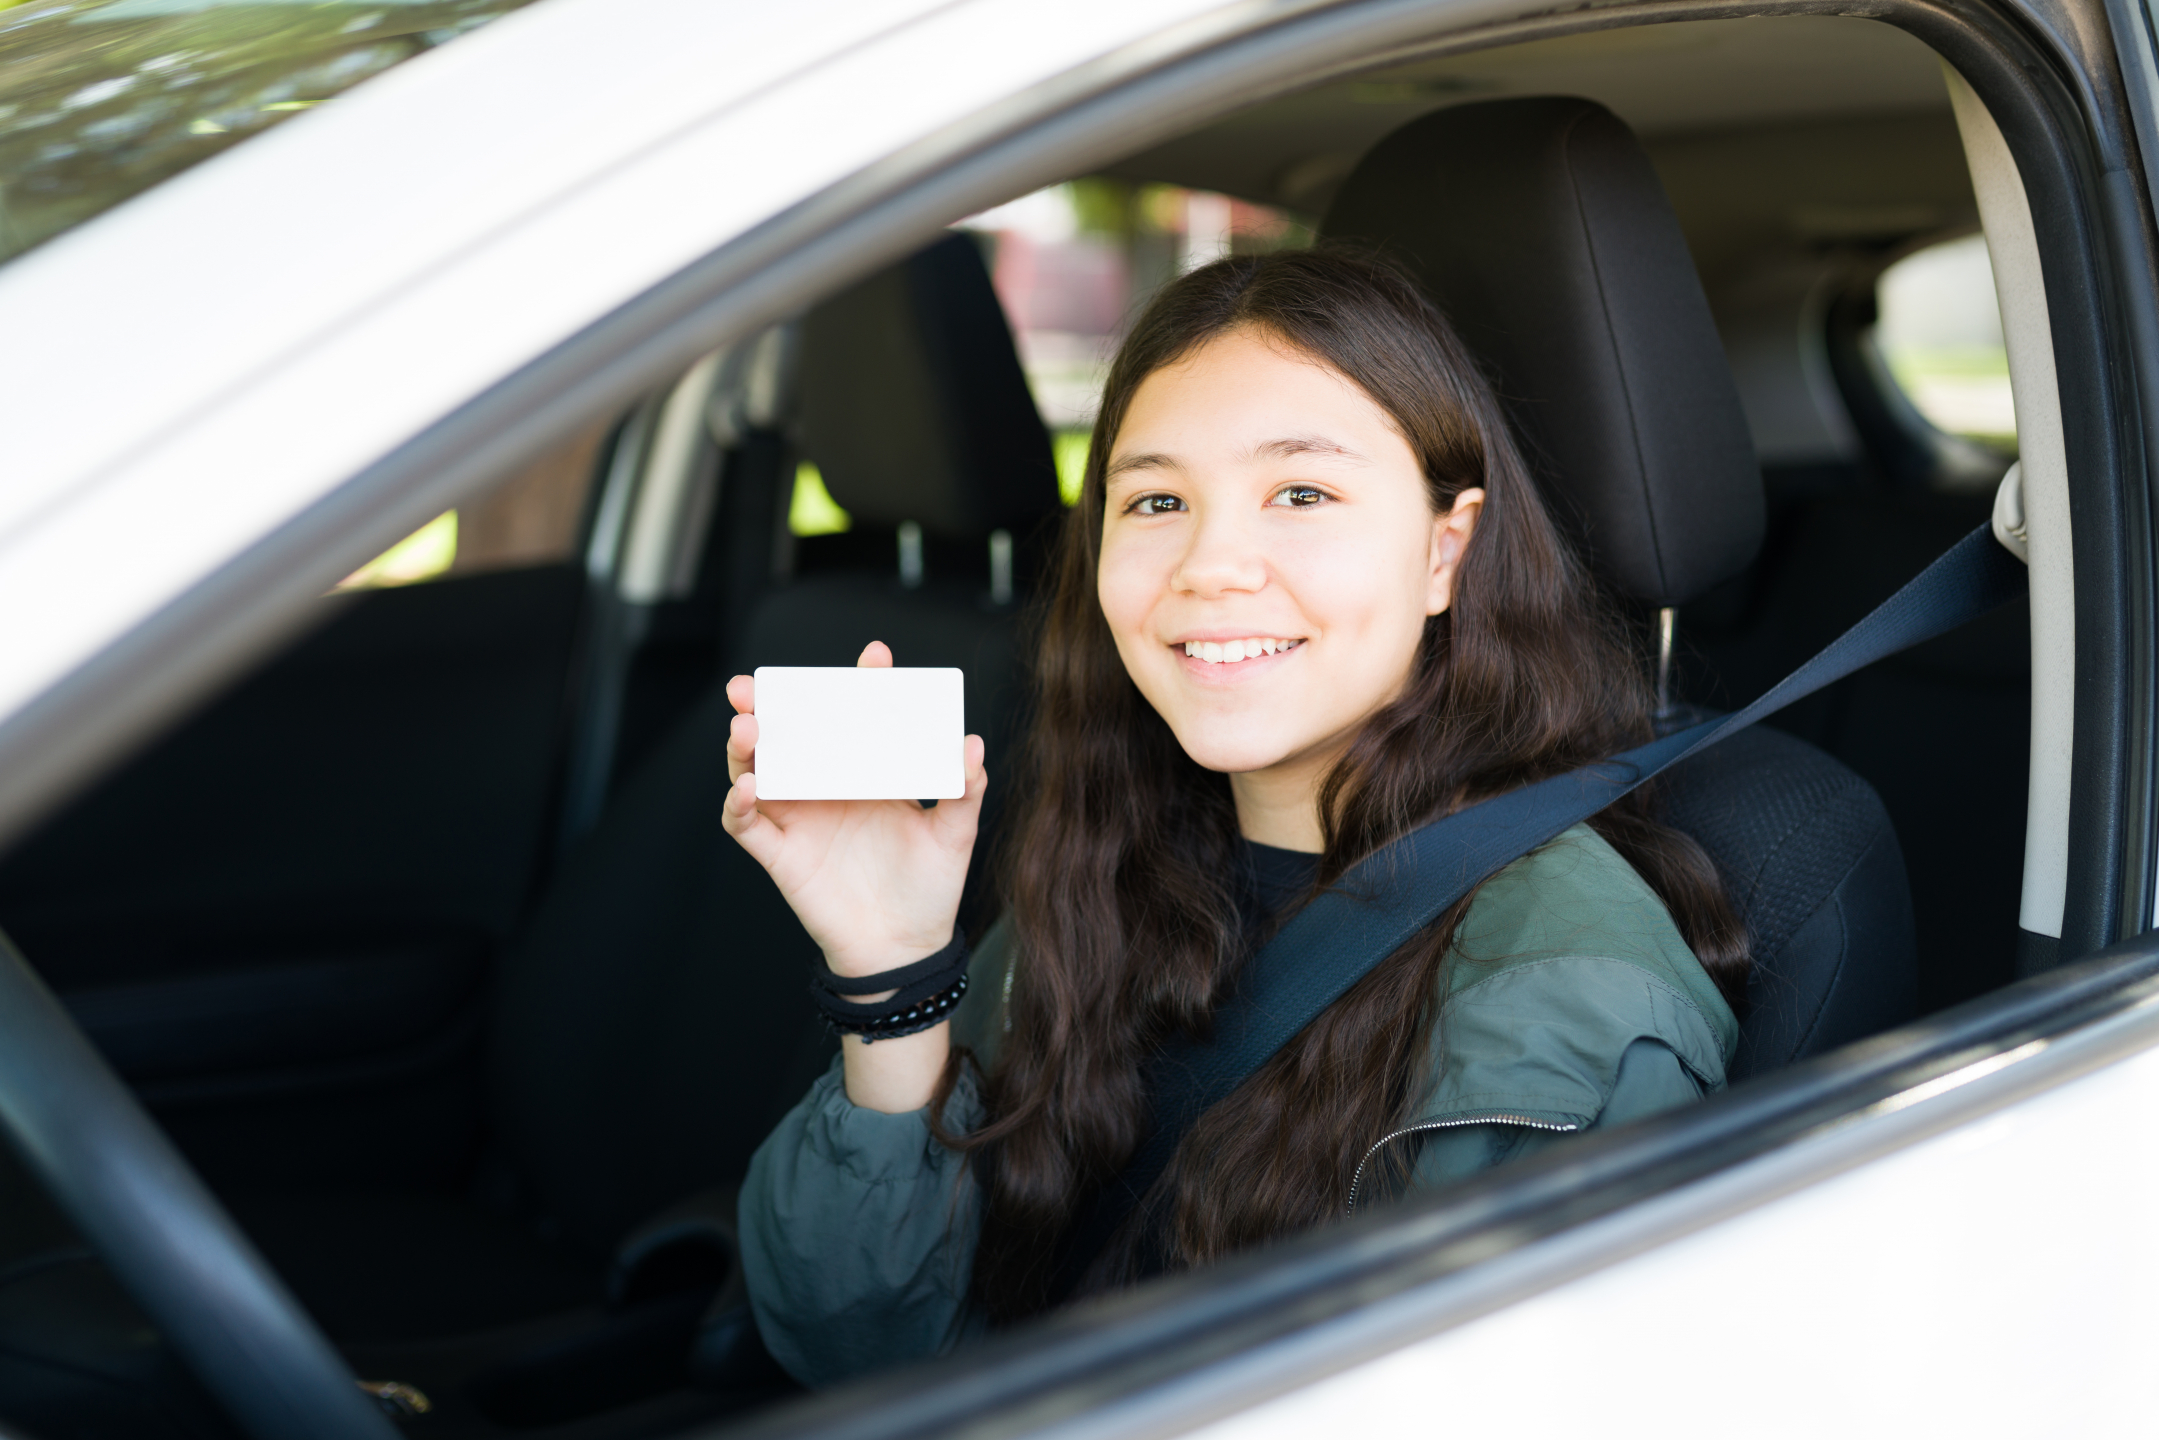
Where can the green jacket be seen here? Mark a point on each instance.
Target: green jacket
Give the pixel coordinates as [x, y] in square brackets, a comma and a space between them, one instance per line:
[1570, 1003]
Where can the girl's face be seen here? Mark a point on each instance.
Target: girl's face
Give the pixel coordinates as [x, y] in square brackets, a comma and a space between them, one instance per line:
[1269, 557]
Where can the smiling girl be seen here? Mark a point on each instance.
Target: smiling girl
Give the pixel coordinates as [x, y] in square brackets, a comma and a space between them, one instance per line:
[1308, 600]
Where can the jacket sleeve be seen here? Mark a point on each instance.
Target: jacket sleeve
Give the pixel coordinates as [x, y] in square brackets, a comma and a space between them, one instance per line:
[1650, 1078]
[858, 1234]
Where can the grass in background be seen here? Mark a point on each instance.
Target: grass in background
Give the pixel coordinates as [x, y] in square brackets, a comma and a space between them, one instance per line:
[1070, 448]
[424, 554]
[1911, 361]
[812, 510]
[1961, 389]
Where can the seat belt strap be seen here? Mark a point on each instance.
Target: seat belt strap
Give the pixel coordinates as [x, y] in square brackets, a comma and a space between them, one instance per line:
[1386, 898]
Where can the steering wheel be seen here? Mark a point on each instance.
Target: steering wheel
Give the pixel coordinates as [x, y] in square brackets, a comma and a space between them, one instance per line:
[169, 1243]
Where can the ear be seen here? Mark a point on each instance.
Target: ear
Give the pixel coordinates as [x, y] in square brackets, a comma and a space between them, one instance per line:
[1450, 541]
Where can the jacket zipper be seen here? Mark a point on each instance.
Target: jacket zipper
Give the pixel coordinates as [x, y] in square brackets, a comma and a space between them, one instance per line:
[1357, 1179]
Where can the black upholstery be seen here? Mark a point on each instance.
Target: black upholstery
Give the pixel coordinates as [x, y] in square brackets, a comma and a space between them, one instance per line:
[1541, 229]
[1810, 858]
[625, 1074]
[914, 405]
[624, 1071]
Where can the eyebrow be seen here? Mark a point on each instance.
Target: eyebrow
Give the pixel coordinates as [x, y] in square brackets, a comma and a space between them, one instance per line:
[1285, 448]
[1138, 462]
[1294, 445]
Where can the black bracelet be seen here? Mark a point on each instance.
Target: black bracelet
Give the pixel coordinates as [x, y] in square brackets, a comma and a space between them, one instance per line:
[923, 994]
[920, 1016]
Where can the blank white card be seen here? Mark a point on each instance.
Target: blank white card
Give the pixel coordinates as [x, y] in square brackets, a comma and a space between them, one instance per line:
[833, 733]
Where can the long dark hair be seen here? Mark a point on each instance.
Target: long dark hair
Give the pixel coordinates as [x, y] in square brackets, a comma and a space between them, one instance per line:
[1118, 875]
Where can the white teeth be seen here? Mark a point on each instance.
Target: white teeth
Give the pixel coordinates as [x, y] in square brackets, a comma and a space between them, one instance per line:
[1229, 652]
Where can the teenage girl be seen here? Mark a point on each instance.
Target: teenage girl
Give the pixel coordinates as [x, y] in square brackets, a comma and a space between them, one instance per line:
[1308, 600]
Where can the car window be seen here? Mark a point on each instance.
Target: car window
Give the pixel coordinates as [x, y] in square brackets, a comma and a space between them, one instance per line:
[1073, 263]
[1940, 333]
[102, 99]
[534, 517]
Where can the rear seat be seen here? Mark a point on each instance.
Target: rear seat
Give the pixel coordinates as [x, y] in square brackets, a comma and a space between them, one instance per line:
[656, 1022]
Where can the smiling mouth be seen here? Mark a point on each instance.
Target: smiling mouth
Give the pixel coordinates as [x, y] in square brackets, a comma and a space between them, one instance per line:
[1229, 652]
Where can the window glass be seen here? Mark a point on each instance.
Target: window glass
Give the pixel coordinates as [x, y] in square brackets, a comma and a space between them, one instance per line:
[532, 518]
[102, 99]
[1940, 333]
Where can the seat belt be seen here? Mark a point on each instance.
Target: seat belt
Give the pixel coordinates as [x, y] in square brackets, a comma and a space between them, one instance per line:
[1386, 898]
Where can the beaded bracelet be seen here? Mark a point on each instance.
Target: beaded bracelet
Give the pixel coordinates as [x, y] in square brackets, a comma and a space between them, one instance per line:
[920, 1016]
[923, 994]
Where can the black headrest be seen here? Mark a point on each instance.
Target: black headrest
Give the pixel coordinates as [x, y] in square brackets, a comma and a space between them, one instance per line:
[1540, 228]
[914, 405]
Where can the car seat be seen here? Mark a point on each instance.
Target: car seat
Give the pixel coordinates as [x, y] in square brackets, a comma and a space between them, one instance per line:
[1540, 228]
[657, 1023]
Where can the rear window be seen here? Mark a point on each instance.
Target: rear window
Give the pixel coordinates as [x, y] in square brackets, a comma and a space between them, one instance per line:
[1940, 333]
[102, 99]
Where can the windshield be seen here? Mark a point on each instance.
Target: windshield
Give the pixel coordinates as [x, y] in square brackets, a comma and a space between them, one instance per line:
[102, 99]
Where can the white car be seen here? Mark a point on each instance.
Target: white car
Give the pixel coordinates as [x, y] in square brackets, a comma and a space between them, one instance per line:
[399, 1012]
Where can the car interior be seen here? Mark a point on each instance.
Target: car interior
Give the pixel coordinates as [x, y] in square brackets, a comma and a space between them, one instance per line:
[425, 945]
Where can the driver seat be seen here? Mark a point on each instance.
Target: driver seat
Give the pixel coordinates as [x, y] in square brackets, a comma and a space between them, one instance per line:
[1541, 230]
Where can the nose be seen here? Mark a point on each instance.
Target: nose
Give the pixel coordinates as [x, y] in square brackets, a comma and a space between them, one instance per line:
[1223, 556]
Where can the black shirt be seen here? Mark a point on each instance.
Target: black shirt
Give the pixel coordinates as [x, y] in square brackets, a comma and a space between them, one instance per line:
[1273, 878]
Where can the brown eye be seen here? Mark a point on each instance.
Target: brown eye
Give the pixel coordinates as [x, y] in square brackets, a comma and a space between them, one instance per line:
[1154, 505]
[1300, 497]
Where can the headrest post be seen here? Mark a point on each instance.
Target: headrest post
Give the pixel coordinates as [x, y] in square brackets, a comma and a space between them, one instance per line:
[910, 555]
[1000, 567]
[1667, 629]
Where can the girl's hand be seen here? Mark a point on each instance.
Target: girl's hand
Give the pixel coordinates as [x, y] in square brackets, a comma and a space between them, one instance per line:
[875, 882]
